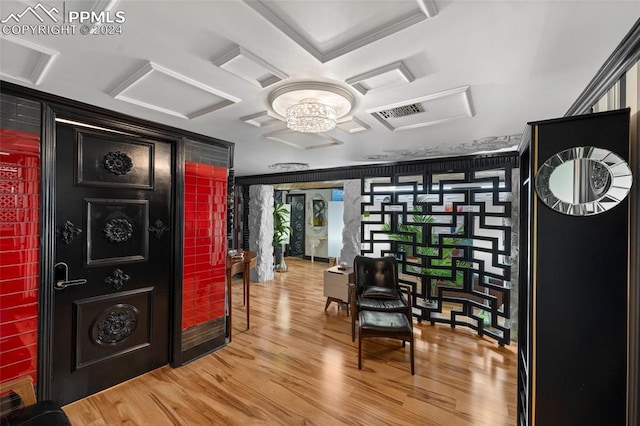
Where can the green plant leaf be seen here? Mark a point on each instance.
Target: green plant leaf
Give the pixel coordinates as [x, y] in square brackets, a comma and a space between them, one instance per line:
[280, 228]
[442, 265]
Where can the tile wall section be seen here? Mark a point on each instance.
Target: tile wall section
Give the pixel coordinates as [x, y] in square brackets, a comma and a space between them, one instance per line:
[19, 236]
[19, 251]
[205, 234]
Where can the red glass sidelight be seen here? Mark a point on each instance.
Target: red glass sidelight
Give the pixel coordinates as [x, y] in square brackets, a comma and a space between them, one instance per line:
[9, 327]
[25, 366]
[19, 251]
[11, 272]
[19, 285]
[18, 298]
[17, 341]
[205, 241]
[16, 257]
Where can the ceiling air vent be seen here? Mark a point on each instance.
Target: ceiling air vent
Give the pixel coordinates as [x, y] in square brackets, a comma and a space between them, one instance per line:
[402, 111]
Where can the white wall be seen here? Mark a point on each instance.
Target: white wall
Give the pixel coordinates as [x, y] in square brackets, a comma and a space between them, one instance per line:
[335, 227]
[316, 237]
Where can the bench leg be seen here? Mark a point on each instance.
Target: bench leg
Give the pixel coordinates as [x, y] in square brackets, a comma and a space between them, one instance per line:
[360, 350]
[411, 355]
[353, 326]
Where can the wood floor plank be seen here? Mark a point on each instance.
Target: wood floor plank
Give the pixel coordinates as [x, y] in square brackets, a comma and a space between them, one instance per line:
[297, 365]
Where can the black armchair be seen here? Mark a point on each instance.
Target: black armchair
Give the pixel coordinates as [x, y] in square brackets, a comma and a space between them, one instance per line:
[376, 288]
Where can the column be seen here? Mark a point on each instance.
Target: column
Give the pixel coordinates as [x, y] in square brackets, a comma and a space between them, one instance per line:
[261, 230]
[352, 216]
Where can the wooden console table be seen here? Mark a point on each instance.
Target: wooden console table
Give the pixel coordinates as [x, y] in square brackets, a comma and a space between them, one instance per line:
[237, 266]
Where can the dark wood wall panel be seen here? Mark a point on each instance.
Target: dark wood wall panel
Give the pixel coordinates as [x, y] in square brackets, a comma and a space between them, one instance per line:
[578, 359]
[31, 111]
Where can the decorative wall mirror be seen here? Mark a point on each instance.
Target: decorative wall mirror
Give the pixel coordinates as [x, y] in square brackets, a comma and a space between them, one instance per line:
[583, 181]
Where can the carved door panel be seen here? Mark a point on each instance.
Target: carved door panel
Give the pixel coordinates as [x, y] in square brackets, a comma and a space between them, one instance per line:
[113, 259]
[297, 225]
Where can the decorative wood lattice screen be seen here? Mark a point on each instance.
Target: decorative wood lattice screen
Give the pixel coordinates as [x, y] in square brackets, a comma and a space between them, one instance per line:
[451, 233]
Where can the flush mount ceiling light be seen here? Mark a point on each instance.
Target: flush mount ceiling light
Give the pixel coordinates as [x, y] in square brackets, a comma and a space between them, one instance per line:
[311, 116]
[289, 167]
[311, 107]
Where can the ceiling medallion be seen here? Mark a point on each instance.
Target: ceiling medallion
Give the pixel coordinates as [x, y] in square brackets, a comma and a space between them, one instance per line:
[311, 107]
[289, 167]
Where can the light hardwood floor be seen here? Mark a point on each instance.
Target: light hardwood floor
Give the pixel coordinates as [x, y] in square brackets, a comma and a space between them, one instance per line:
[297, 365]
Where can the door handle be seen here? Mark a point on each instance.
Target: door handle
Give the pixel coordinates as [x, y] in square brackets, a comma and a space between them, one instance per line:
[62, 281]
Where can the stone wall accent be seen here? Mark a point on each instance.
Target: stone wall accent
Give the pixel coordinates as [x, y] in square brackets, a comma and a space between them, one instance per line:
[352, 216]
[515, 254]
[261, 230]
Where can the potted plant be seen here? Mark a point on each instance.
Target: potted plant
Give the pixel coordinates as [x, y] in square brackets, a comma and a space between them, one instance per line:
[281, 230]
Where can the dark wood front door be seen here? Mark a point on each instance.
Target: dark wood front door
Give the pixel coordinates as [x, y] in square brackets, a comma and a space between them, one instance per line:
[113, 264]
[296, 247]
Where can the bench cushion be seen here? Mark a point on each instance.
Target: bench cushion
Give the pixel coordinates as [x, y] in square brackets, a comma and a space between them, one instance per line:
[389, 324]
[377, 304]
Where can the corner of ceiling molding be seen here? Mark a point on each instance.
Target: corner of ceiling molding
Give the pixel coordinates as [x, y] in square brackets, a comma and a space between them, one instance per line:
[132, 79]
[235, 62]
[396, 73]
[210, 108]
[467, 95]
[428, 7]
[352, 125]
[280, 24]
[226, 57]
[43, 64]
[261, 119]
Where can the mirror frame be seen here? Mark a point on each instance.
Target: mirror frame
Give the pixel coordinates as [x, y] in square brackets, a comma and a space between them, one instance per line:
[619, 172]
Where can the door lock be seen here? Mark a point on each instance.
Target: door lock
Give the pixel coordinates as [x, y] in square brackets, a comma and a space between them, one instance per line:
[61, 276]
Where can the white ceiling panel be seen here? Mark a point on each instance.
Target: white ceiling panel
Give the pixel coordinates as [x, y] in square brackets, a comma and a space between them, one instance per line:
[328, 30]
[163, 90]
[209, 67]
[426, 110]
[381, 78]
[249, 67]
[29, 61]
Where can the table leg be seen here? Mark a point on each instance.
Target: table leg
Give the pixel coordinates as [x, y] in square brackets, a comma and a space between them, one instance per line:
[246, 277]
[229, 301]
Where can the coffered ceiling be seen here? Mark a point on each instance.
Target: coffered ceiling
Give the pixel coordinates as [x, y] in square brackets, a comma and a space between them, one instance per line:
[425, 78]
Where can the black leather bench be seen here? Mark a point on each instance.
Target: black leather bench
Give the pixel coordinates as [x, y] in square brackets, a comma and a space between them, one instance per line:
[393, 325]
